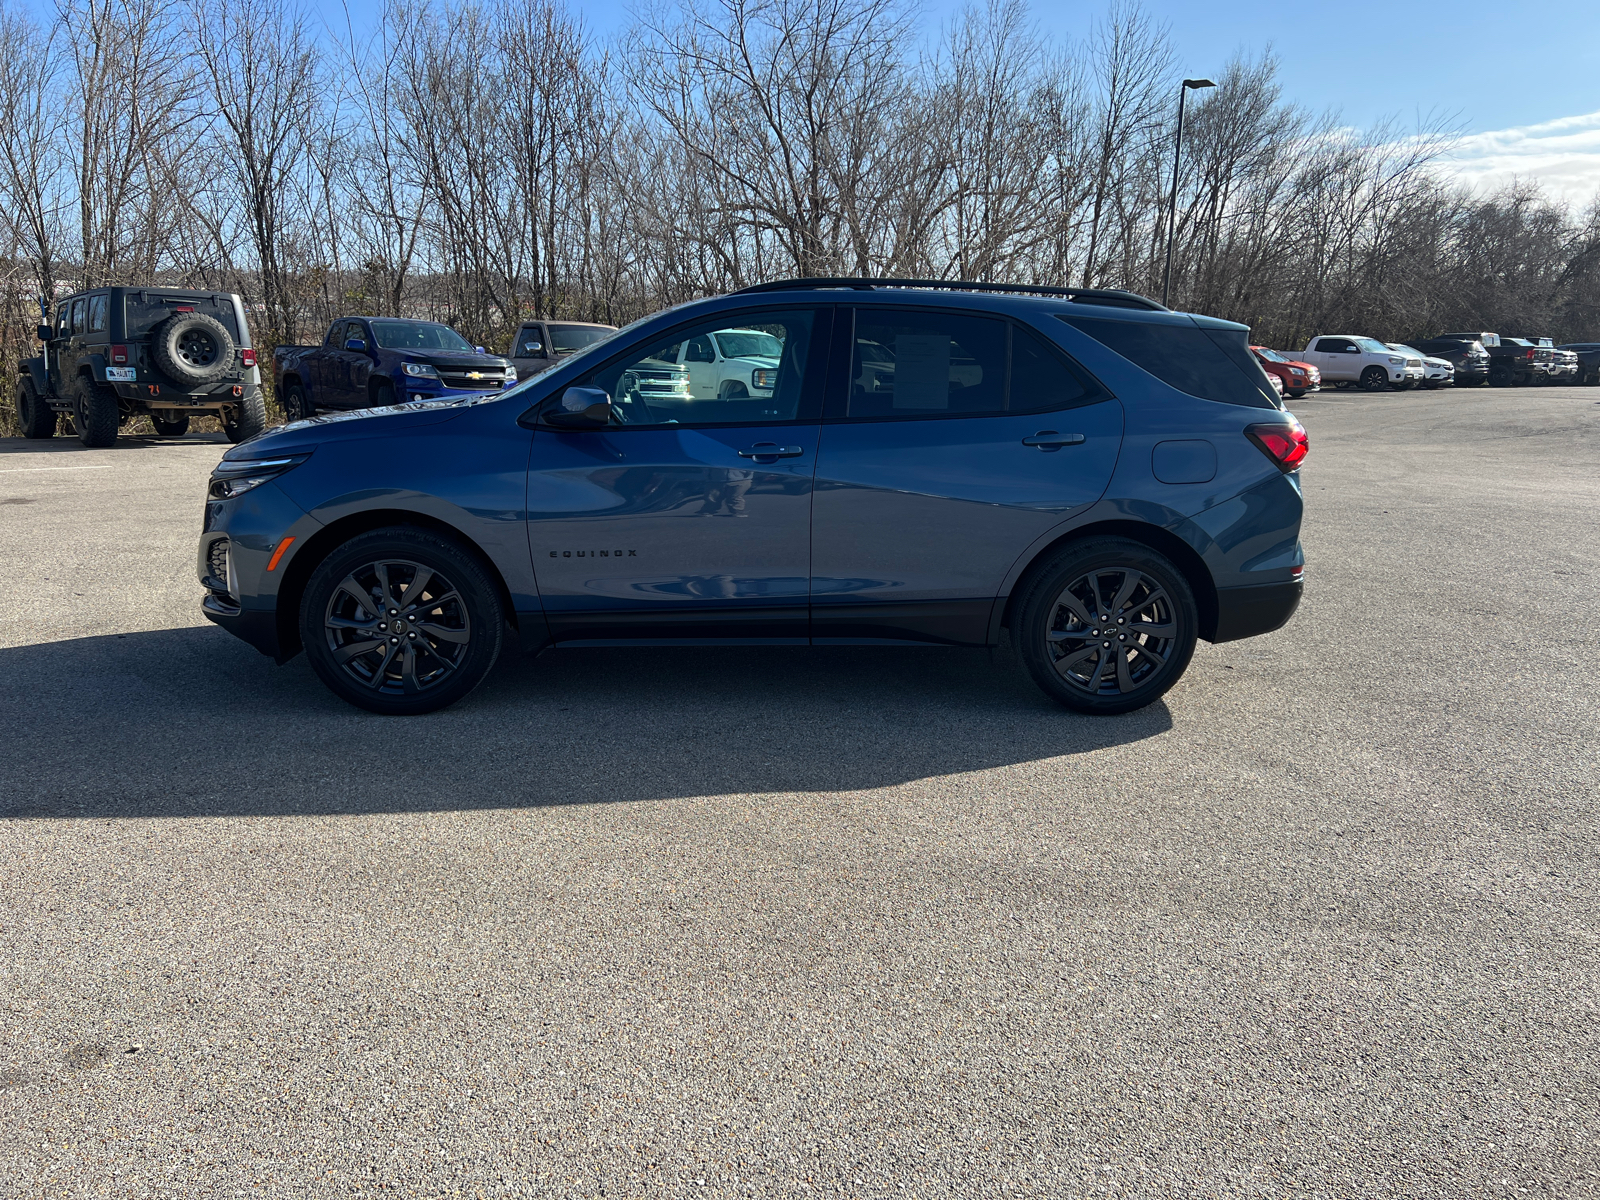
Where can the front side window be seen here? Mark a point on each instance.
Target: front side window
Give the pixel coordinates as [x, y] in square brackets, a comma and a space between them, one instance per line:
[97, 314]
[415, 335]
[565, 339]
[650, 386]
[1213, 364]
[63, 320]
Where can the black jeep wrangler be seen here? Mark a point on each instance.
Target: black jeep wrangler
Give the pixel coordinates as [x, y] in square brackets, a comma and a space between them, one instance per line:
[117, 352]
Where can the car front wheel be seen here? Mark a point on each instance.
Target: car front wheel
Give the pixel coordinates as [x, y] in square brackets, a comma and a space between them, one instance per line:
[1374, 379]
[401, 621]
[1106, 627]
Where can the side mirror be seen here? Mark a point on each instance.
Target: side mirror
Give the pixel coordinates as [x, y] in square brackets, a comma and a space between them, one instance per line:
[480, 350]
[581, 408]
[44, 333]
[356, 344]
[533, 348]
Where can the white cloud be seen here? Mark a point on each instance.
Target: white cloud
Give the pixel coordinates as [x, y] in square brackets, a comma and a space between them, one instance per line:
[1562, 155]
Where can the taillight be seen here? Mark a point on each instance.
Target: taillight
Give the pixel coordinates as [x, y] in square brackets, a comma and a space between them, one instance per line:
[247, 356]
[119, 354]
[1531, 352]
[1285, 444]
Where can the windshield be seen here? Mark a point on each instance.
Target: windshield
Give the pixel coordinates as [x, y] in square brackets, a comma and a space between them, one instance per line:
[1372, 346]
[1404, 349]
[418, 335]
[748, 343]
[1270, 355]
[567, 338]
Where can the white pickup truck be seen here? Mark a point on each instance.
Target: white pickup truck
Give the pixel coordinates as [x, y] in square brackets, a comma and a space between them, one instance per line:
[1345, 359]
[731, 363]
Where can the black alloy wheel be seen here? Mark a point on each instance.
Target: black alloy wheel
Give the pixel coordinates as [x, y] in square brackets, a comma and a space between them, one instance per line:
[1107, 626]
[1374, 379]
[401, 621]
[296, 405]
[197, 348]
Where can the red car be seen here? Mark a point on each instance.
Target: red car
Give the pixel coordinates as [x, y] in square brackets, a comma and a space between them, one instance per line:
[1297, 378]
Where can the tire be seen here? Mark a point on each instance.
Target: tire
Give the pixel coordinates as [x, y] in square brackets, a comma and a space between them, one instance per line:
[1296, 395]
[1499, 377]
[34, 415]
[734, 390]
[1374, 379]
[95, 414]
[297, 405]
[170, 426]
[410, 669]
[1060, 641]
[382, 394]
[249, 418]
[193, 350]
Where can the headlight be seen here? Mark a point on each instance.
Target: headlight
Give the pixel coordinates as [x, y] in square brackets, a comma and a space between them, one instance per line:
[764, 377]
[426, 369]
[511, 374]
[235, 478]
[1399, 362]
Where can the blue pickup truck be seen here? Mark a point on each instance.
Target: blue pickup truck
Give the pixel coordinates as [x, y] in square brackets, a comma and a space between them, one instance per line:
[368, 362]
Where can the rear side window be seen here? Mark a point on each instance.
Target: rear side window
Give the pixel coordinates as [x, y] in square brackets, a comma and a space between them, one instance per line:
[143, 311]
[80, 323]
[926, 364]
[1213, 364]
[97, 314]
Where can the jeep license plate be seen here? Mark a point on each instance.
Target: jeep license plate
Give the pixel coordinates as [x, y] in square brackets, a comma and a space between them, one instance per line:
[122, 374]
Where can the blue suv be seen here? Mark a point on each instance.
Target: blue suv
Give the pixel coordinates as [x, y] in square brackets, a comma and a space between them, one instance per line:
[903, 462]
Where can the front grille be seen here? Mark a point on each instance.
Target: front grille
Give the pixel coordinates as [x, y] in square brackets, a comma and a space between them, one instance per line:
[463, 379]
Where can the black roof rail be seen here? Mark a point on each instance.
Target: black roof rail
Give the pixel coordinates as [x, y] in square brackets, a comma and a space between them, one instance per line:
[1113, 297]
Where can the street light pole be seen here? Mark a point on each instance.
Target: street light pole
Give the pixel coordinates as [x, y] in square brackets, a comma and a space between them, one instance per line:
[1177, 155]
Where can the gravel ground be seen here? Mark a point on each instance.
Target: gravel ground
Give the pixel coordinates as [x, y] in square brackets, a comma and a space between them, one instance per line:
[786, 922]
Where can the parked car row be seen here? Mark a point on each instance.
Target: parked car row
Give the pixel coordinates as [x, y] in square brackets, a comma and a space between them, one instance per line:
[1445, 360]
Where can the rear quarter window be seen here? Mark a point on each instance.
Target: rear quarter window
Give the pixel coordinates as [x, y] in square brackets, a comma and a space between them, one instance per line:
[1213, 364]
[143, 311]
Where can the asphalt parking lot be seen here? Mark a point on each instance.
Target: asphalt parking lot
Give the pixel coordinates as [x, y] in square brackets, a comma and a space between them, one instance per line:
[785, 922]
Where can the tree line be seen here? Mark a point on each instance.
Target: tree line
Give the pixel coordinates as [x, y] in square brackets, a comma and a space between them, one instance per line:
[480, 161]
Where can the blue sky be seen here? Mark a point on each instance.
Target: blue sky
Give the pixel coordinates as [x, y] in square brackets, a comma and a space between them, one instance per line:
[1523, 79]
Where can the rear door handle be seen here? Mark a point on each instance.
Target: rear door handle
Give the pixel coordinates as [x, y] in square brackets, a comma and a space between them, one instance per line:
[1049, 439]
[772, 450]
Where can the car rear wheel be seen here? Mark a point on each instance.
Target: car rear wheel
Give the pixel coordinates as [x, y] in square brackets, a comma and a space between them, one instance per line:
[248, 418]
[94, 413]
[1374, 379]
[297, 405]
[401, 621]
[1106, 627]
[34, 414]
[170, 426]
[1499, 377]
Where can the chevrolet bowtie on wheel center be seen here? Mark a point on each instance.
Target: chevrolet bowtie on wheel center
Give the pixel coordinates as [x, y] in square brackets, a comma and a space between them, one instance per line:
[116, 353]
[902, 462]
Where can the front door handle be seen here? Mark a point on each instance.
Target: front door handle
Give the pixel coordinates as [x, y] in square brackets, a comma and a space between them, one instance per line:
[1049, 439]
[772, 450]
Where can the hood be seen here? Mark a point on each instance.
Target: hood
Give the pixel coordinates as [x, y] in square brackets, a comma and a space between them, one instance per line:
[462, 359]
[300, 436]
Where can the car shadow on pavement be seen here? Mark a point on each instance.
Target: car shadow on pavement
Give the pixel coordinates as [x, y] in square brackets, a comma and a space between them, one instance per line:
[70, 446]
[190, 722]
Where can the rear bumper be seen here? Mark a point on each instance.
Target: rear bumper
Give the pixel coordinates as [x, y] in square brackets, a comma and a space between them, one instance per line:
[1247, 611]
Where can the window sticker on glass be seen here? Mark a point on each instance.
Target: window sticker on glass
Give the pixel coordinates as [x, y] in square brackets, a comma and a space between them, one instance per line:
[922, 370]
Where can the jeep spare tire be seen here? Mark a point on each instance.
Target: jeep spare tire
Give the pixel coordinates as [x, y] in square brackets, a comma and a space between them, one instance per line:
[192, 349]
